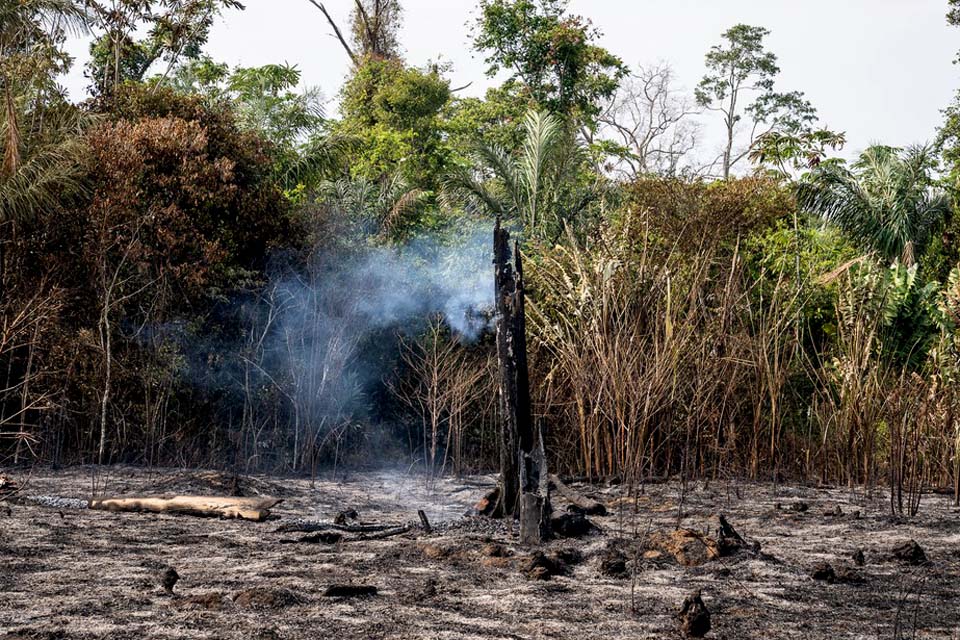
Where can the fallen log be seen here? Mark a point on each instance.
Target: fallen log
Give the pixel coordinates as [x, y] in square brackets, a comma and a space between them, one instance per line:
[309, 526]
[256, 509]
[587, 505]
[334, 537]
[321, 537]
[349, 591]
[383, 534]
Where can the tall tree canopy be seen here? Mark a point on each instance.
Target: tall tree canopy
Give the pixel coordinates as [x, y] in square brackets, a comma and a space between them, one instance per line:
[552, 53]
[174, 29]
[393, 110]
[740, 82]
[374, 29]
[266, 100]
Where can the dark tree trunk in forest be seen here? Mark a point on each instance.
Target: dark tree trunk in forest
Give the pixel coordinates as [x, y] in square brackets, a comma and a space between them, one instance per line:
[524, 489]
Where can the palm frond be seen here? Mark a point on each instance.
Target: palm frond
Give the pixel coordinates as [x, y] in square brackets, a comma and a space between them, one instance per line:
[321, 157]
[462, 186]
[538, 183]
[49, 166]
[886, 202]
[542, 132]
[43, 178]
[400, 208]
[499, 162]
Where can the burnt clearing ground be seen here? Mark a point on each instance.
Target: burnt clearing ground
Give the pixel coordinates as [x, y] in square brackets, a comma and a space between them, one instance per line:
[68, 573]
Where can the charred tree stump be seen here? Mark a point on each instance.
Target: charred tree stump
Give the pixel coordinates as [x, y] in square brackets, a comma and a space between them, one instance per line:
[535, 507]
[524, 489]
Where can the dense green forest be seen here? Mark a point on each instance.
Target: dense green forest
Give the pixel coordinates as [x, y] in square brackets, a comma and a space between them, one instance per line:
[206, 265]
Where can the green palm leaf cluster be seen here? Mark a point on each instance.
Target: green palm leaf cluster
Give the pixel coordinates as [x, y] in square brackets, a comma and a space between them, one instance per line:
[374, 207]
[40, 144]
[48, 168]
[322, 155]
[885, 202]
[538, 186]
[24, 23]
[30, 34]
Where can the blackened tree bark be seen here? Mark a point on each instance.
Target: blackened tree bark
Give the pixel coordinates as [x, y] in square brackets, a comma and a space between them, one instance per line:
[505, 284]
[524, 489]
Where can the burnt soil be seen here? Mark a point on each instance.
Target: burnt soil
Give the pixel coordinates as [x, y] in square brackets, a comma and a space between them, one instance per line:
[71, 573]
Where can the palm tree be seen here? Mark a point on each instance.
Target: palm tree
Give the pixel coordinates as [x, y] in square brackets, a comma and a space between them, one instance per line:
[539, 186]
[48, 166]
[374, 207]
[40, 145]
[48, 170]
[885, 201]
[29, 30]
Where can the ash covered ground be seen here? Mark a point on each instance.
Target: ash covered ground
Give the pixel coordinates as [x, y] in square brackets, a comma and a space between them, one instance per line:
[68, 573]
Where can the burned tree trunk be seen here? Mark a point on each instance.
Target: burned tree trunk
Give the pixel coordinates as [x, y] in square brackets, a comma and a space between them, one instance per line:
[524, 489]
[513, 418]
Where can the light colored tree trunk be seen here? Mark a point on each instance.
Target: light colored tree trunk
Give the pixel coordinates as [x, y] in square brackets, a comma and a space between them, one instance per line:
[256, 509]
[106, 345]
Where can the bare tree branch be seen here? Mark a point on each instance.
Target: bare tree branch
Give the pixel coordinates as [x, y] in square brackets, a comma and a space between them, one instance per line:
[365, 19]
[336, 30]
[651, 122]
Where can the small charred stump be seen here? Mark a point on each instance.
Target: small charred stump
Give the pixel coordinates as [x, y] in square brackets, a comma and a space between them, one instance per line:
[849, 575]
[424, 521]
[823, 571]
[909, 552]
[858, 558]
[540, 566]
[694, 616]
[729, 541]
[571, 525]
[613, 564]
[169, 579]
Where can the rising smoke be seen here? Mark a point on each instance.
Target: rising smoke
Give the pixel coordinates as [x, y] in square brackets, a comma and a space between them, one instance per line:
[316, 345]
[402, 287]
[328, 334]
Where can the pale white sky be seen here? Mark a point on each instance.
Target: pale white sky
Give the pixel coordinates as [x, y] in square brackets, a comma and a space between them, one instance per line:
[881, 70]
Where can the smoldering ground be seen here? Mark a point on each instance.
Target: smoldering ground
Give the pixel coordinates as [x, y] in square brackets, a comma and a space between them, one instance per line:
[92, 575]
